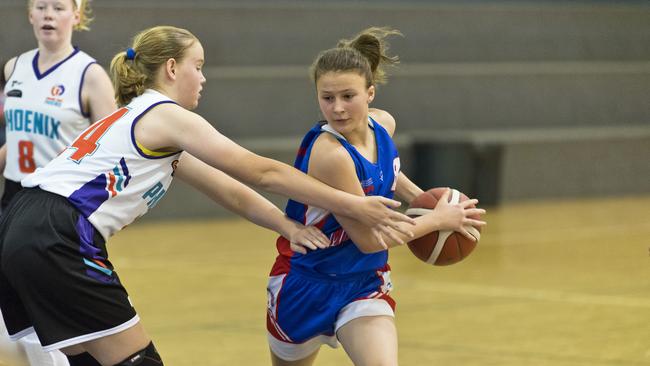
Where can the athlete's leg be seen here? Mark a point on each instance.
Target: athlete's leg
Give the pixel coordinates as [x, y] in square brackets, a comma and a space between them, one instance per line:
[37, 356]
[10, 352]
[370, 340]
[115, 348]
[145, 357]
[307, 361]
[83, 359]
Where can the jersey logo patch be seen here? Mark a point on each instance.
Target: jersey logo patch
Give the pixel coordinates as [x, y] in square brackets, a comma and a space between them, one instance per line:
[56, 92]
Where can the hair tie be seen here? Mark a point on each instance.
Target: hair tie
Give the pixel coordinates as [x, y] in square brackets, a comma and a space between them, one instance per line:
[130, 53]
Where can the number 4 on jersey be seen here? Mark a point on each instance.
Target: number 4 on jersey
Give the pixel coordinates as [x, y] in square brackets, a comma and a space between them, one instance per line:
[88, 141]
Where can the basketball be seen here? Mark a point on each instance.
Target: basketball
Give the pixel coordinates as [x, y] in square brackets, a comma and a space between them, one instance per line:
[440, 248]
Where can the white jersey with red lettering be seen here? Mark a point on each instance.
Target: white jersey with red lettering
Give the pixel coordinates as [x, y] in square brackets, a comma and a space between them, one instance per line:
[43, 111]
[106, 174]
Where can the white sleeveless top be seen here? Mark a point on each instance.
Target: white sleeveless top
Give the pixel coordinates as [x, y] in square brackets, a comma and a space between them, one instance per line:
[43, 111]
[105, 174]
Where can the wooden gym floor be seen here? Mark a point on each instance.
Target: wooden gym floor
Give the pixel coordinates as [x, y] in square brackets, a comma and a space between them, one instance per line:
[553, 283]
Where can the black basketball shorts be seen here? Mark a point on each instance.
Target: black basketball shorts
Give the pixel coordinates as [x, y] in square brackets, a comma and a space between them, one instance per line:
[55, 276]
[11, 190]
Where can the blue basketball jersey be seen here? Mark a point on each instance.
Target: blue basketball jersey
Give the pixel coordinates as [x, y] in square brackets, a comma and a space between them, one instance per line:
[342, 257]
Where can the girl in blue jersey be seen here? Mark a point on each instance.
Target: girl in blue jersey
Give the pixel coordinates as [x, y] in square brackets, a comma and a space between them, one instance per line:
[79, 92]
[55, 274]
[342, 292]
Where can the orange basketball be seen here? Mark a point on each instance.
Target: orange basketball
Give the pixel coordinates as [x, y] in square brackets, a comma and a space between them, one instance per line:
[440, 248]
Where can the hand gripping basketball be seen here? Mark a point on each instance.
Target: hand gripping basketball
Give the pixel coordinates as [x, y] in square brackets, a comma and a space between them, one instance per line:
[442, 247]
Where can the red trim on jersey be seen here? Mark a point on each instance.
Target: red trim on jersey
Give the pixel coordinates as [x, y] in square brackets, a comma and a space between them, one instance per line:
[322, 222]
[284, 246]
[283, 260]
[111, 184]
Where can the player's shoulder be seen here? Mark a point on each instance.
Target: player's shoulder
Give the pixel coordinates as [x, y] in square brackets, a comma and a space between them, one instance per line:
[84, 55]
[329, 160]
[94, 68]
[327, 151]
[171, 115]
[8, 67]
[95, 76]
[385, 119]
[169, 110]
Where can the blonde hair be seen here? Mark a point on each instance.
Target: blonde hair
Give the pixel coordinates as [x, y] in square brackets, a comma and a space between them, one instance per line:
[85, 14]
[133, 74]
[366, 54]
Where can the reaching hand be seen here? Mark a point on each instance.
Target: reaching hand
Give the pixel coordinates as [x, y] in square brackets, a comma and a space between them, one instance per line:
[378, 213]
[458, 217]
[307, 237]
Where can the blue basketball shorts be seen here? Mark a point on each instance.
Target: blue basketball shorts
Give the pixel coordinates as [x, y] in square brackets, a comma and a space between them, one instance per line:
[305, 310]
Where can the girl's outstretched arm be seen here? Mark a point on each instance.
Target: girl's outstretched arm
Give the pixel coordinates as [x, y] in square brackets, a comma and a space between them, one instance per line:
[171, 126]
[247, 203]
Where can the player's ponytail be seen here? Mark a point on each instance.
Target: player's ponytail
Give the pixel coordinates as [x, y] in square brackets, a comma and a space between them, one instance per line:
[128, 81]
[367, 53]
[135, 70]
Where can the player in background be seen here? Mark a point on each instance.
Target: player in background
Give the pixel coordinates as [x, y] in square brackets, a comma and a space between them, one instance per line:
[341, 293]
[11, 353]
[117, 170]
[52, 93]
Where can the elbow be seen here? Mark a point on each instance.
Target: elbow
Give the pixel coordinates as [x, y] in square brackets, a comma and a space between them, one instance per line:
[265, 177]
[266, 182]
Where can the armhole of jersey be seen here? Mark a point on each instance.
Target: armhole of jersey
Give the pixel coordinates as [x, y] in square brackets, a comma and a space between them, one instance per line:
[81, 85]
[3, 82]
[143, 151]
[13, 69]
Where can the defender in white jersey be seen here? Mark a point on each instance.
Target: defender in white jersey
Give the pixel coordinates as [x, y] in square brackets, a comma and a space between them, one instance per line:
[116, 181]
[55, 274]
[52, 94]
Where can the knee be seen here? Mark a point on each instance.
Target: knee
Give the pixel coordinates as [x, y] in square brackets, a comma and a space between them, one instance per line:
[146, 357]
[83, 359]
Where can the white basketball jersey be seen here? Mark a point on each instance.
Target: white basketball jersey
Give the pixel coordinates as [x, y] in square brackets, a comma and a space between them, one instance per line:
[43, 112]
[105, 174]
